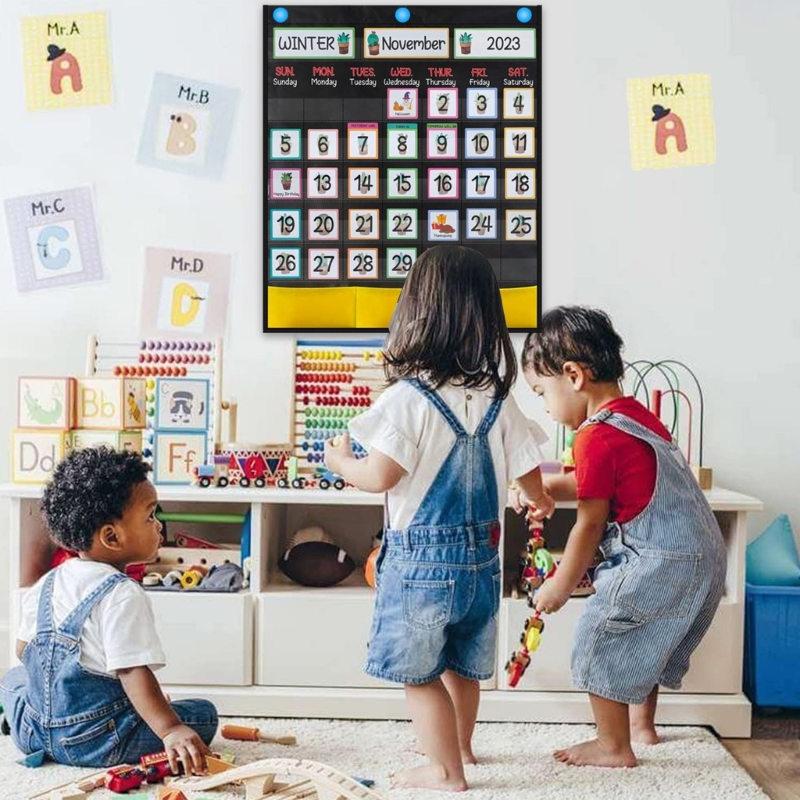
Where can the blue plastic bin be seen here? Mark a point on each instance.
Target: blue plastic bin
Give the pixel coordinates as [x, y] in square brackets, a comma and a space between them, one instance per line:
[772, 645]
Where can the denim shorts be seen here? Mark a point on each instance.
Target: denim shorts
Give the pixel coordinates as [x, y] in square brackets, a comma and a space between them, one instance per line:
[651, 609]
[438, 594]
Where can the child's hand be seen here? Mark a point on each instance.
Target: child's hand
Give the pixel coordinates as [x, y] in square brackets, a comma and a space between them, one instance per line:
[543, 507]
[516, 498]
[337, 450]
[550, 597]
[183, 744]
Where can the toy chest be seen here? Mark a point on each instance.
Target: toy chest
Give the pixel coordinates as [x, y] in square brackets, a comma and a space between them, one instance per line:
[772, 645]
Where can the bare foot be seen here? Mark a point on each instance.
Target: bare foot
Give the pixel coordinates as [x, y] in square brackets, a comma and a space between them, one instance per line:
[467, 756]
[644, 735]
[593, 754]
[431, 776]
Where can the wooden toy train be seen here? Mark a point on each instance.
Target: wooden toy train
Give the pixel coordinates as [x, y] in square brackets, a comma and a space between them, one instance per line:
[261, 465]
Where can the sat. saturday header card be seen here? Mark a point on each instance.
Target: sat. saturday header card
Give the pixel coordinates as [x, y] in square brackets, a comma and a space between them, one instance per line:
[188, 126]
[65, 60]
[671, 121]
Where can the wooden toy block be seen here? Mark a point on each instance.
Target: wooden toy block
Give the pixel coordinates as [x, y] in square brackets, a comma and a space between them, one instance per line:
[106, 403]
[170, 793]
[182, 404]
[72, 793]
[175, 456]
[704, 477]
[44, 402]
[217, 765]
[35, 453]
[87, 784]
[117, 440]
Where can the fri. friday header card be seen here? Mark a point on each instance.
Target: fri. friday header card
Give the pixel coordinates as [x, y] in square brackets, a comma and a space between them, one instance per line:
[65, 59]
[390, 130]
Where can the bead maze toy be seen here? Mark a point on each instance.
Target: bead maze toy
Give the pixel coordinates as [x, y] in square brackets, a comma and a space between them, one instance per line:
[536, 566]
[664, 395]
[259, 778]
[334, 381]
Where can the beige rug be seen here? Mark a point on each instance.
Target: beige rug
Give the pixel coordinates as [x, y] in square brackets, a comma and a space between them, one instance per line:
[516, 763]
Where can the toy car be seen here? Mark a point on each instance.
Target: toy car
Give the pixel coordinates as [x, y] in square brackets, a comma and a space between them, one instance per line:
[516, 666]
[327, 479]
[121, 779]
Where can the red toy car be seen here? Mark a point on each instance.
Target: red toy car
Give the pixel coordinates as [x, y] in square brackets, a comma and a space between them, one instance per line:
[121, 779]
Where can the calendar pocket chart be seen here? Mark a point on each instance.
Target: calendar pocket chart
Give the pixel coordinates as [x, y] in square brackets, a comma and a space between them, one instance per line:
[386, 134]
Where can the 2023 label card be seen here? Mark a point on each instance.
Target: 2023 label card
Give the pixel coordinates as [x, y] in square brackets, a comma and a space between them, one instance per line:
[387, 131]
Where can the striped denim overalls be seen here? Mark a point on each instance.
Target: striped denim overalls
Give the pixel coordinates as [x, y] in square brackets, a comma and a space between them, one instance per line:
[438, 580]
[658, 588]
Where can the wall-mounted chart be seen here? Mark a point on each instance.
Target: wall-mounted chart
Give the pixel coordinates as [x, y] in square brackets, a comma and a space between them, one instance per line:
[390, 130]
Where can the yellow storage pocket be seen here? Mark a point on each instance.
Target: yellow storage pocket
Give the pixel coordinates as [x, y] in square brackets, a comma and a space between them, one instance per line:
[311, 307]
[375, 306]
[519, 306]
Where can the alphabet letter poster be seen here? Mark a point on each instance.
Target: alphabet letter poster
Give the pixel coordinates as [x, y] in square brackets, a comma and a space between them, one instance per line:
[388, 131]
[65, 58]
[671, 121]
[185, 293]
[54, 239]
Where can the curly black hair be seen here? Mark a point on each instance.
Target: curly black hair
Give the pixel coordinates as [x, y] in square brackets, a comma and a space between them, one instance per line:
[89, 488]
[575, 333]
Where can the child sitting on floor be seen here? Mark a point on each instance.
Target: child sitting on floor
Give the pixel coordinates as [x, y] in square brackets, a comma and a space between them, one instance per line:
[86, 694]
[664, 570]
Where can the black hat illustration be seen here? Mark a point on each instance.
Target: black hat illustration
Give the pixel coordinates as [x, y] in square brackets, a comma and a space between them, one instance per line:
[54, 52]
[659, 112]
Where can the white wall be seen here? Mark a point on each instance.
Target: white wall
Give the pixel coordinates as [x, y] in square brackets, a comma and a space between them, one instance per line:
[697, 264]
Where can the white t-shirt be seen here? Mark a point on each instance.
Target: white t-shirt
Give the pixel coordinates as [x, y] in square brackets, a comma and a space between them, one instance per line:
[404, 425]
[119, 632]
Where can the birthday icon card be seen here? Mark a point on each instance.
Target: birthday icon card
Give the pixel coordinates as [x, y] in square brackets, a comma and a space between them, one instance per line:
[65, 59]
[671, 121]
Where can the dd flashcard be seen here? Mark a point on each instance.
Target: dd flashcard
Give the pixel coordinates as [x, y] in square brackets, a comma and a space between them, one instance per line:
[389, 130]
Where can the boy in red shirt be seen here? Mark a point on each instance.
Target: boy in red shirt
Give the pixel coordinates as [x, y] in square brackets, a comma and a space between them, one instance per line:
[664, 570]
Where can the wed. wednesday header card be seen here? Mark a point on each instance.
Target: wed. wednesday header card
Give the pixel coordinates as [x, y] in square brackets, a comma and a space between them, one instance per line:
[388, 131]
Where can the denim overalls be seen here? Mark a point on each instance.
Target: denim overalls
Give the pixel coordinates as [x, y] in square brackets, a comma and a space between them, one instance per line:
[659, 587]
[438, 580]
[79, 717]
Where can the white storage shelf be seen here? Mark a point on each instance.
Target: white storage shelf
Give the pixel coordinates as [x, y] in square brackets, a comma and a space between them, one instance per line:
[286, 650]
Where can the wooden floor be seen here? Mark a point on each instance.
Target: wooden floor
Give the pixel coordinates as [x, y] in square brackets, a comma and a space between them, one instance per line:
[774, 764]
[772, 756]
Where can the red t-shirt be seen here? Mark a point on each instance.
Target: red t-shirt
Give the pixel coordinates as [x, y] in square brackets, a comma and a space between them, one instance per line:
[615, 466]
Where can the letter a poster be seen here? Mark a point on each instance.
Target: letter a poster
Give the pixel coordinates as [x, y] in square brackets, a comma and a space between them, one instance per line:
[390, 130]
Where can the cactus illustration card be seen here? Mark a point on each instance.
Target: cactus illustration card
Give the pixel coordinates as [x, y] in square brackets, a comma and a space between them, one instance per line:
[188, 126]
[54, 239]
[185, 293]
[65, 60]
[671, 121]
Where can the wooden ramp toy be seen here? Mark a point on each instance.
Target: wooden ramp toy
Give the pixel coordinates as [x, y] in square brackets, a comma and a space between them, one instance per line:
[319, 781]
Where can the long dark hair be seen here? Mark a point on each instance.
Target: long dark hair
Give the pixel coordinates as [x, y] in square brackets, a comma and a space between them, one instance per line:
[449, 324]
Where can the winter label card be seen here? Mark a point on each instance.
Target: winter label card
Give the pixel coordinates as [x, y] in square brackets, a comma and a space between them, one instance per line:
[54, 239]
[671, 121]
[65, 60]
[188, 126]
[185, 293]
